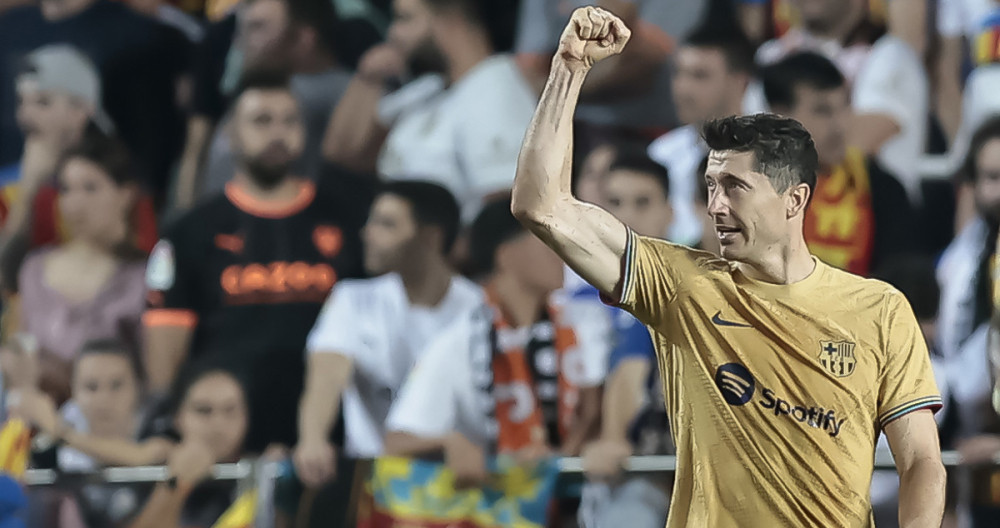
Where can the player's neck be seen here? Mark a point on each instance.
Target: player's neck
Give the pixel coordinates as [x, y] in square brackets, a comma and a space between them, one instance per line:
[426, 283]
[786, 265]
[520, 304]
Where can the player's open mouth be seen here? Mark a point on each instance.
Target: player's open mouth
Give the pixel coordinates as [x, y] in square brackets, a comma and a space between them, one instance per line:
[727, 234]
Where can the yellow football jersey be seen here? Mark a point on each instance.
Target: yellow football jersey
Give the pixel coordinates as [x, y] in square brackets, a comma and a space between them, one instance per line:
[776, 393]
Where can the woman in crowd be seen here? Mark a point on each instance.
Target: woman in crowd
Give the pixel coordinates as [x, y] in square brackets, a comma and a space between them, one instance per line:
[206, 424]
[92, 285]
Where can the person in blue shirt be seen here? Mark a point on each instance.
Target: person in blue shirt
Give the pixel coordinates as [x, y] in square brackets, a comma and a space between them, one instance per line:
[637, 191]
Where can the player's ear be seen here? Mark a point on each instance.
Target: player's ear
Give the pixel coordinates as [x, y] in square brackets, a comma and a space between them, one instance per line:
[796, 199]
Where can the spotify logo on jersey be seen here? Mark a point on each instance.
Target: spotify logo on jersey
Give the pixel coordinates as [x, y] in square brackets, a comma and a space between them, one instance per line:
[735, 382]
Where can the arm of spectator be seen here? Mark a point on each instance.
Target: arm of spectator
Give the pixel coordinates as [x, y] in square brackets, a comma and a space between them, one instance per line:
[167, 340]
[623, 398]
[174, 294]
[870, 131]
[948, 85]
[913, 439]
[199, 134]
[632, 72]
[38, 165]
[907, 19]
[590, 239]
[327, 375]
[189, 464]
[355, 135]
[586, 423]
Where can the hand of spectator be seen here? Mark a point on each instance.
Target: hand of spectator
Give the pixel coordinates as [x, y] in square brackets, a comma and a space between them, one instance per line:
[36, 408]
[979, 449]
[315, 462]
[39, 161]
[602, 460]
[592, 35]
[533, 454]
[190, 462]
[466, 460]
[382, 63]
[18, 366]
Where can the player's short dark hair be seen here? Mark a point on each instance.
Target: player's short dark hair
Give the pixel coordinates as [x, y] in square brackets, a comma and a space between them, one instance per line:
[782, 148]
[731, 42]
[799, 69]
[635, 158]
[494, 226]
[915, 277]
[263, 79]
[989, 130]
[497, 17]
[431, 205]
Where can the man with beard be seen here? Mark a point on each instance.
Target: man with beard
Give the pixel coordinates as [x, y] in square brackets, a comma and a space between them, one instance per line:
[460, 124]
[712, 70]
[242, 277]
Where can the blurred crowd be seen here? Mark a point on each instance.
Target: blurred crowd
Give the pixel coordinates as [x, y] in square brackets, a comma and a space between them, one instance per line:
[234, 228]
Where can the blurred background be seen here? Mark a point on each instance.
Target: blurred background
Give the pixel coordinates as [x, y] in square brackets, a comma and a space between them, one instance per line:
[279, 230]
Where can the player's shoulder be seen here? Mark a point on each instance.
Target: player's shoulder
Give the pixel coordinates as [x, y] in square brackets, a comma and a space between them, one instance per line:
[672, 252]
[862, 290]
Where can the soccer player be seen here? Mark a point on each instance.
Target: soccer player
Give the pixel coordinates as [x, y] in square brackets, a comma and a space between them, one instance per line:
[779, 371]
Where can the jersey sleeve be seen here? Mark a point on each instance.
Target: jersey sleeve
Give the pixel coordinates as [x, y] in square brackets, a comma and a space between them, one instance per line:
[427, 405]
[907, 380]
[652, 271]
[171, 282]
[335, 328]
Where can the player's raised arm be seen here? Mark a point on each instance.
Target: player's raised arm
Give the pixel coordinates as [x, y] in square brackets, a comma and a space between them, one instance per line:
[589, 239]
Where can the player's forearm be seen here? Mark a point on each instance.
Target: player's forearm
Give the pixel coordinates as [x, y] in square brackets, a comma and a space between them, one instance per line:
[544, 165]
[354, 136]
[327, 378]
[921, 494]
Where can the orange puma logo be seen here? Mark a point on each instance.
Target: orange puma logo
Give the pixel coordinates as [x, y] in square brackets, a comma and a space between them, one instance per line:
[328, 240]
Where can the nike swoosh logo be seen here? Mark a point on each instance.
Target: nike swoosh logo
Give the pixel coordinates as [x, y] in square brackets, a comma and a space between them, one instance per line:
[717, 319]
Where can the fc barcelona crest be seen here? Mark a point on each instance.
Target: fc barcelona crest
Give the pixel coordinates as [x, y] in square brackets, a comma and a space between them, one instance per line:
[837, 357]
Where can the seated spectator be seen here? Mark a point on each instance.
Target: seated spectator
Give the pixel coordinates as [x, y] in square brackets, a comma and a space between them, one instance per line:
[104, 408]
[889, 87]
[460, 127]
[92, 285]
[141, 63]
[712, 71]
[634, 421]
[289, 36]
[859, 215]
[516, 376]
[629, 90]
[59, 94]
[242, 277]
[372, 331]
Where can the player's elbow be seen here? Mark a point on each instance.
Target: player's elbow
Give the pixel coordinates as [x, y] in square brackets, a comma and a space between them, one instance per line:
[527, 211]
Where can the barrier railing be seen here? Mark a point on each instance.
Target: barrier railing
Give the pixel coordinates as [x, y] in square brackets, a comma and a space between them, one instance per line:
[263, 475]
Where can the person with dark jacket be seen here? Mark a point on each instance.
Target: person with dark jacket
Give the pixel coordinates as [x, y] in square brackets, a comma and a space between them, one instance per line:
[860, 215]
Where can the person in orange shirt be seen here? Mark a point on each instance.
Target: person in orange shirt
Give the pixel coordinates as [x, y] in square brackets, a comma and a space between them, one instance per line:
[860, 215]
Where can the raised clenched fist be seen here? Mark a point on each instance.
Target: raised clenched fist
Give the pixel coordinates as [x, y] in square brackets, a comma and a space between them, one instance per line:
[592, 34]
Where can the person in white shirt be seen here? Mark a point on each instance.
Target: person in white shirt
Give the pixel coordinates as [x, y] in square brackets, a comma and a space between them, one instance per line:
[712, 71]
[520, 376]
[461, 128]
[959, 23]
[371, 331]
[890, 91]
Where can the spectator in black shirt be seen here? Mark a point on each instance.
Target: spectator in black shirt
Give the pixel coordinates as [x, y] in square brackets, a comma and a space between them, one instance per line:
[242, 277]
[140, 61]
